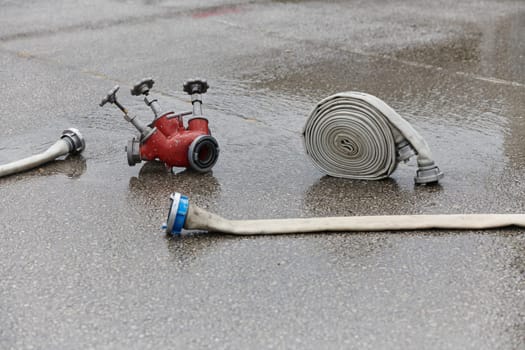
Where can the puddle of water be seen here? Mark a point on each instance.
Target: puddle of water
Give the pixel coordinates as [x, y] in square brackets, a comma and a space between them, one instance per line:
[455, 55]
[155, 181]
[489, 48]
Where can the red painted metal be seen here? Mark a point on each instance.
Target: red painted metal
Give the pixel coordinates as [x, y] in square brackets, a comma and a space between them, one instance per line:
[170, 141]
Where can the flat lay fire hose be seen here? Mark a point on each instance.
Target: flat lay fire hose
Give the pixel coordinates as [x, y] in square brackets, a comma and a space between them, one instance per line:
[70, 142]
[358, 136]
[184, 215]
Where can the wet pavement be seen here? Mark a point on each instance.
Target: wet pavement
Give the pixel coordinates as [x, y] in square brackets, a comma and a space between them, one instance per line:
[84, 263]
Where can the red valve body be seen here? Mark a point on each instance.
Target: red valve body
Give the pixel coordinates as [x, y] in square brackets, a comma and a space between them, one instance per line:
[171, 141]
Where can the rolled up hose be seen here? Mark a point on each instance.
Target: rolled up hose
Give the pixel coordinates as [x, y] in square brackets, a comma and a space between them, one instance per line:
[70, 142]
[183, 215]
[358, 136]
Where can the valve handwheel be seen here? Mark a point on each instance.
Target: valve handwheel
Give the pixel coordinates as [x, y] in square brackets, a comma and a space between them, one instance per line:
[111, 97]
[142, 87]
[195, 86]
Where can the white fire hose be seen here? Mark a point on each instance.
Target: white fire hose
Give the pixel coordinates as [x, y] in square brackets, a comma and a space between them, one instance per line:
[183, 215]
[70, 142]
[358, 136]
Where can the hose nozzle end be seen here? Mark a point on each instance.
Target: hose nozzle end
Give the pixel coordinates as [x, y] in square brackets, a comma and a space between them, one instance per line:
[428, 174]
[75, 140]
[177, 214]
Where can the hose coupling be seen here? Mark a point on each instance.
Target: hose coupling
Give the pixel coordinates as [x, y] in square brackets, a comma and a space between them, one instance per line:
[74, 139]
[133, 151]
[203, 153]
[404, 151]
[428, 174]
[177, 214]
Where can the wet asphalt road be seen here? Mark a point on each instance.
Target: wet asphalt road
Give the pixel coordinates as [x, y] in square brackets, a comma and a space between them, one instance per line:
[83, 261]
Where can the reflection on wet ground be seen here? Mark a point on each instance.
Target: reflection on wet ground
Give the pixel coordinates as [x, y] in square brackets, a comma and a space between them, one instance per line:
[154, 180]
[483, 50]
[342, 197]
[149, 192]
[72, 166]
[455, 55]
[186, 250]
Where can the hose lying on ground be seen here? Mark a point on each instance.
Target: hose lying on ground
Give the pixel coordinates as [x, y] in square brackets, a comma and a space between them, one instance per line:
[189, 216]
[71, 141]
[358, 136]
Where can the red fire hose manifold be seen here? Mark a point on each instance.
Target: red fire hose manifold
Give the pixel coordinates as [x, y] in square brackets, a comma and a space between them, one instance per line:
[166, 138]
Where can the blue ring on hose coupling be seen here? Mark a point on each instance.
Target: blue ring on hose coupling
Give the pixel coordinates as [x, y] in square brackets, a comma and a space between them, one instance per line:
[180, 219]
[177, 214]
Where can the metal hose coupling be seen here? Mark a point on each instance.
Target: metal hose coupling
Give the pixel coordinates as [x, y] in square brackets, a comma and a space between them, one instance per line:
[185, 215]
[358, 136]
[203, 153]
[75, 140]
[133, 151]
[177, 214]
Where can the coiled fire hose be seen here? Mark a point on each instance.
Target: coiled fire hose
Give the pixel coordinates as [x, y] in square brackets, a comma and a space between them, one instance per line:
[358, 136]
[182, 214]
[70, 142]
